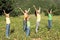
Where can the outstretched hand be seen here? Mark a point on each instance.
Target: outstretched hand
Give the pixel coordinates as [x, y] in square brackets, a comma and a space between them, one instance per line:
[33, 5]
[19, 8]
[4, 11]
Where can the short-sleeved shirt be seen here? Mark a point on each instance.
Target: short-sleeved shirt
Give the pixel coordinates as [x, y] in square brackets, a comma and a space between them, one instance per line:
[49, 16]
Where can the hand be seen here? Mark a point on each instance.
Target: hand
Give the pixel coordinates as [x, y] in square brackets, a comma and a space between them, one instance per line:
[4, 11]
[33, 5]
[19, 8]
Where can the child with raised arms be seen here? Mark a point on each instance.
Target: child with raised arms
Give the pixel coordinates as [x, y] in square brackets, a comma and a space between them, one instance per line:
[7, 23]
[49, 19]
[38, 17]
[26, 22]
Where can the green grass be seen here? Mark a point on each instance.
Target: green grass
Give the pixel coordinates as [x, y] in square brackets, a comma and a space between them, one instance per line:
[19, 34]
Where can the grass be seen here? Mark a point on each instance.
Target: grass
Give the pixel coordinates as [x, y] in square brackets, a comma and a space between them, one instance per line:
[17, 32]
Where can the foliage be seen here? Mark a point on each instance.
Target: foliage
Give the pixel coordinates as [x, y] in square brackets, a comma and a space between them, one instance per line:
[25, 4]
[6, 5]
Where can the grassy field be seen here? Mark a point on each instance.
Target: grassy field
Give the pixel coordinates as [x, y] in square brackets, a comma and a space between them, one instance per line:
[17, 32]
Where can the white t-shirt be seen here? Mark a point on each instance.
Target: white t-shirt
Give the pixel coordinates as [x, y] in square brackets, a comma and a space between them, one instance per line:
[38, 17]
[7, 20]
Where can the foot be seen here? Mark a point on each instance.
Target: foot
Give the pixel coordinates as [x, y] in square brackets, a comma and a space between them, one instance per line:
[8, 37]
[36, 31]
[48, 29]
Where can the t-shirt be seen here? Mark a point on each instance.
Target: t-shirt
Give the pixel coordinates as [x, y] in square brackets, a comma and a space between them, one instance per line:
[38, 17]
[28, 23]
[49, 16]
[7, 20]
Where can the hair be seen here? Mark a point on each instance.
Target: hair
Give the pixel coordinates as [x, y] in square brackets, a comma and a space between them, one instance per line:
[35, 13]
[7, 9]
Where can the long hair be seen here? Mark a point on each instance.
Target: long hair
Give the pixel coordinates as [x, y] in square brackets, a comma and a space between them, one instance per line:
[35, 13]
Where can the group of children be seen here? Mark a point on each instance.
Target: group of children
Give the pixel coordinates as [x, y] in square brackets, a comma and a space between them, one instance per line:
[26, 22]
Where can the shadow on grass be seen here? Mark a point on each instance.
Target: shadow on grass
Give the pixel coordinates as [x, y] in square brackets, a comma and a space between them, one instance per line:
[48, 28]
[12, 31]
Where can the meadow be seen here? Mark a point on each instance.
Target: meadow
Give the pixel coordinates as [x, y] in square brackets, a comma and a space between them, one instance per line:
[17, 32]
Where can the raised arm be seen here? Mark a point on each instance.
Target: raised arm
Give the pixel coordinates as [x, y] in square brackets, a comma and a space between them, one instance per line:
[51, 11]
[39, 8]
[21, 10]
[47, 11]
[34, 7]
[4, 12]
[28, 9]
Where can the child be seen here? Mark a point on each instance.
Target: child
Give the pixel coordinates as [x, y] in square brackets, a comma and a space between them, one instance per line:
[37, 14]
[28, 27]
[7, 23]
[26, 22]
[49, 19]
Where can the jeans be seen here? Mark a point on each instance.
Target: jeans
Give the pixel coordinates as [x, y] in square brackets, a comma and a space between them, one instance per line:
[49, 24]
[24, 25]
[27, 31]
[7, 29]
[37, 26]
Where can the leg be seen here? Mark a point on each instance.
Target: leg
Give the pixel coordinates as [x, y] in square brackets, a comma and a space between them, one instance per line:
[7, 30]
[49, 24]
[24, 25]
[28, 31]
[37, 26]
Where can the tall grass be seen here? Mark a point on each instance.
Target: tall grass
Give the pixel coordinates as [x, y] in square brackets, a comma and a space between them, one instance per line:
[17, 32]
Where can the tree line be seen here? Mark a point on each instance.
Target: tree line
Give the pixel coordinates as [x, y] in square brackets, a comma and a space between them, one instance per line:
[13, 6]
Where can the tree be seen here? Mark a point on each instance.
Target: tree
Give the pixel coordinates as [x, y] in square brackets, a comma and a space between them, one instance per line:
[6, 5]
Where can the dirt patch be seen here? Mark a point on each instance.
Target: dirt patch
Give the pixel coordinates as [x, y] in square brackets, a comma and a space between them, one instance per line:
[2, 29]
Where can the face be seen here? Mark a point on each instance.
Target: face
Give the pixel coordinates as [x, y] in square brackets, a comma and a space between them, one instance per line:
[50, 11]
[38, 11]
[26, 11]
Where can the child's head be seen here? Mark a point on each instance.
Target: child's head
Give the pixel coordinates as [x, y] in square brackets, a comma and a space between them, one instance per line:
[38, 11]
[6, 11]
[51, 11]
[26, 11]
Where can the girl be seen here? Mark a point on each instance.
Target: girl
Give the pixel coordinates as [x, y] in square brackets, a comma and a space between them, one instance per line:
[28, 27]
[49, 19]
[7, 23]
[38, 17]
[25, 12]
[26, 21]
